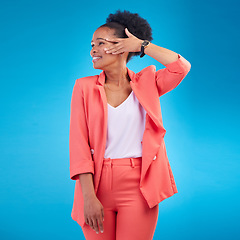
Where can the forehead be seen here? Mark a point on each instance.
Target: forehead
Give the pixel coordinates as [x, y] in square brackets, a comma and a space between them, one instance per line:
[102, 33]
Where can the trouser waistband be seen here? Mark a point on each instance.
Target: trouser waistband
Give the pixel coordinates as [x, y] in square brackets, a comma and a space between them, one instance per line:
[123, 161]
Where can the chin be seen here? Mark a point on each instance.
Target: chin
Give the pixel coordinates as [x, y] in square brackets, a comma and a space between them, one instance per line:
[103, 65]
[98, 67]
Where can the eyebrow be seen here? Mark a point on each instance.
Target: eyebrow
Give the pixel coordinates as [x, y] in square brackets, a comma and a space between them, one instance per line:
[99, 38]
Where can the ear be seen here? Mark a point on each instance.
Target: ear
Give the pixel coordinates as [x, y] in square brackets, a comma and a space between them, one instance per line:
[128, 33]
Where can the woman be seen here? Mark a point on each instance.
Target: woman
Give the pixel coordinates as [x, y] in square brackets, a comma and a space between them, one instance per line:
[117, 151]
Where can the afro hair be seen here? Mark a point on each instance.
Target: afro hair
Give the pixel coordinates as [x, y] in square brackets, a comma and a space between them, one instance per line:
[136, 25]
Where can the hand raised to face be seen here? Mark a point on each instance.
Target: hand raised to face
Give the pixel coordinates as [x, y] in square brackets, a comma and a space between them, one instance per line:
[121, 45]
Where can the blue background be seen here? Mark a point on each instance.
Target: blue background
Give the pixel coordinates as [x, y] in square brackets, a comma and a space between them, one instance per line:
[45, 47]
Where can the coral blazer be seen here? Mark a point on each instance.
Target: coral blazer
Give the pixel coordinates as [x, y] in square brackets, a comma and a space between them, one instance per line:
[88, 131]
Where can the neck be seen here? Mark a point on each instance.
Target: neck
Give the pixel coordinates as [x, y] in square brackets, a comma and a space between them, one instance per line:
[117, 76]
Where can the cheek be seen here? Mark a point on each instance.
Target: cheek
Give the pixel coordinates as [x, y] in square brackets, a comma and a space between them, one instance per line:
[111, 56]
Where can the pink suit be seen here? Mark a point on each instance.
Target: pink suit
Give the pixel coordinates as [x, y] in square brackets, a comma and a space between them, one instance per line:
[88, 127]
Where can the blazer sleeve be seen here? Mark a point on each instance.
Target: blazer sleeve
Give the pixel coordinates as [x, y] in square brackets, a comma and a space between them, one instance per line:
[80, 155]
[169, 77]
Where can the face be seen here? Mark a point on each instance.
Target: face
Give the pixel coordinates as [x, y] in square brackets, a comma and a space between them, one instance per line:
[101, 59]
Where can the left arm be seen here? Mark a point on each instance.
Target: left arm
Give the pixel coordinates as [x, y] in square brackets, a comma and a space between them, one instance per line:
[162, 55]
[176, 66]
[133, 44]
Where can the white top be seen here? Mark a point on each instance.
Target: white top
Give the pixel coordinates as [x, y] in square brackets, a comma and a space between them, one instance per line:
[125, 129]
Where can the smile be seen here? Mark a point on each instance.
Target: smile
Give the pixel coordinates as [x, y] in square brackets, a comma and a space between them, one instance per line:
[96, 59]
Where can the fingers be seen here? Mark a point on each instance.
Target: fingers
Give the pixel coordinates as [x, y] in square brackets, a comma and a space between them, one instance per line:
[102, 214]
[95, 225]
[94, 214]
[117, 47]
[87, 222]
[95, 222]
[115, 50]
[100, 223]
[114, 40]
[128, 33]
[90, 222]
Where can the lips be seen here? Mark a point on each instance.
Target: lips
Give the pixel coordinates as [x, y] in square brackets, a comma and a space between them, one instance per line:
[96, 58]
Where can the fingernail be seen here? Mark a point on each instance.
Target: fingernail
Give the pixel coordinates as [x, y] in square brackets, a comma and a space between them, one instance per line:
[101, 231]
[105, 49]
[97, 232]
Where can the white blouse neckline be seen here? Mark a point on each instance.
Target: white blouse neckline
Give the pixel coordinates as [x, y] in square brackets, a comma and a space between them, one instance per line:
[123, 103]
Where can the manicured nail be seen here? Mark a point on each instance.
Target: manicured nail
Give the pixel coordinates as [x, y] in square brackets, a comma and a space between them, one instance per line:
[101, 231]
[97, 232]
[107, 51]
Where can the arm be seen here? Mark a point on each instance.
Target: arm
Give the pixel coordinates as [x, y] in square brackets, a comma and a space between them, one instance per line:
[86, 181]
[162, 55]
[93, 208]
[133, 44]
[81, 162]
[80, 154]
[177, 67]
[168, 78]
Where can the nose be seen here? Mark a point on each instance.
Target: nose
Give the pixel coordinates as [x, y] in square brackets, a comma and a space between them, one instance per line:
[93, 51]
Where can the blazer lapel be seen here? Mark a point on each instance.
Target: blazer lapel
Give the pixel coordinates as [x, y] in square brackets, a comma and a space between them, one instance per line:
[143, 86]
[144, 99]
[103, 97]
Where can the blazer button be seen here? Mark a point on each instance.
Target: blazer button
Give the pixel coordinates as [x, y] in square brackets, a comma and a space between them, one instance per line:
[154, 157]
[92, 151]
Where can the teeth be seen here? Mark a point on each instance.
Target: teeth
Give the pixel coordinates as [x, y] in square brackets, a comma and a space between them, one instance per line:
[96, 58]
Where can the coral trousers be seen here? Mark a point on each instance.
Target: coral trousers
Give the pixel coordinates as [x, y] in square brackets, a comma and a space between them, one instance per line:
[126, 213]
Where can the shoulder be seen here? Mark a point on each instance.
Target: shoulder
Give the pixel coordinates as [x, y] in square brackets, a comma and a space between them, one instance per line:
[88, 80]
[84, 83]
[148, 69]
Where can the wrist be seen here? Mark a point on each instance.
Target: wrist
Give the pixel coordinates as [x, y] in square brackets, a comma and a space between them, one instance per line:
[140, 45]
[89, 196]
[144, 45]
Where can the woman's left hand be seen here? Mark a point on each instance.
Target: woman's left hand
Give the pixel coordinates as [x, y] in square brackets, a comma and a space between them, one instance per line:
[130, 44]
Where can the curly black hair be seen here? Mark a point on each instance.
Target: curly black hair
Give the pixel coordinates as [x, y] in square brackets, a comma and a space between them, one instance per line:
[136, 25]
